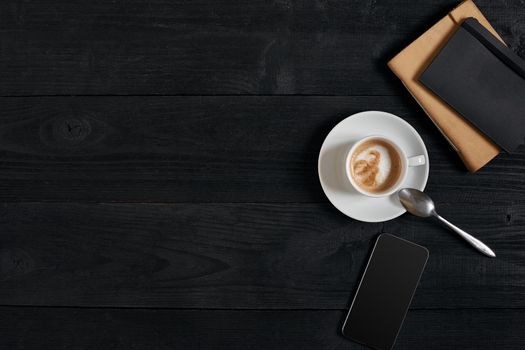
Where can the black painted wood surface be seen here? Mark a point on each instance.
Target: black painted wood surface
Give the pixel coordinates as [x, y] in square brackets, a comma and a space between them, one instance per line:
[123, 329]
[218, 47]
[245, 255]
[204, 149]
[158, 178]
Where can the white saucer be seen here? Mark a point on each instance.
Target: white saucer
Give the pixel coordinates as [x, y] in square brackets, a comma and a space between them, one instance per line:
[331, 164]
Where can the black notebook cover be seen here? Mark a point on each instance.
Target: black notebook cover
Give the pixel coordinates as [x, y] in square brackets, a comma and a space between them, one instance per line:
[484, 81]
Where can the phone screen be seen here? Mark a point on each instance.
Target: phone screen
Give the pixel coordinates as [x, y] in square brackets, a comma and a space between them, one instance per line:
[385, 292]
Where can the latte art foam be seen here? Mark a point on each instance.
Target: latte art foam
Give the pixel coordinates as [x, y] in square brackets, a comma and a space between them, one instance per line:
[375, 166]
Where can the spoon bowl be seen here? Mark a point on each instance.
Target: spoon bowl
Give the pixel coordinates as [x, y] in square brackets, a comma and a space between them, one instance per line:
[417, 202]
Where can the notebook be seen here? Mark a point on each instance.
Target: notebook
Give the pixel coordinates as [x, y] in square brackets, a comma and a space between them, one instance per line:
[473, 147]
[484, 81]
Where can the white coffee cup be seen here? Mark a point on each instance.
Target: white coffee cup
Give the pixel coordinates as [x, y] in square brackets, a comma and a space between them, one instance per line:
[406, 162]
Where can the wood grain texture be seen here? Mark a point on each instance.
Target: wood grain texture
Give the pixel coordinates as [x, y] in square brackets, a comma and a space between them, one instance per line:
[248, 256]
[194, 222]
[163, 47]
[205, 149]
[88, 329]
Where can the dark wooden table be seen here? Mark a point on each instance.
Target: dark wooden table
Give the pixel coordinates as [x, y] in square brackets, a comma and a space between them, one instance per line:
[159, 185]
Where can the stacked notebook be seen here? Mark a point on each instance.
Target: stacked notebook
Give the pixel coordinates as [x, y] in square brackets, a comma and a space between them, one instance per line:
[469, 83]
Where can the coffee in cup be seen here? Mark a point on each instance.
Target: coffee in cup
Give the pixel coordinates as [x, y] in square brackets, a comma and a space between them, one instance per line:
[376, 166]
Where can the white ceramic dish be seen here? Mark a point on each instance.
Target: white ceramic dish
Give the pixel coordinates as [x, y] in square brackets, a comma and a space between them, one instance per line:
[331, 164]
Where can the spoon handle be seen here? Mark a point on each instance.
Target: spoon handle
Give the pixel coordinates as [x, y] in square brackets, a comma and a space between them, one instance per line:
[476, 243]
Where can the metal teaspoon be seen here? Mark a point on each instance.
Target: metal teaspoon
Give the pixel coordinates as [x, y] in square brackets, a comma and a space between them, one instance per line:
[420, 204]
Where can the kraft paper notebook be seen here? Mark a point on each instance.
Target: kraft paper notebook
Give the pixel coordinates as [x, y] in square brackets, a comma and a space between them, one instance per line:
[484, 81]
[474, 148]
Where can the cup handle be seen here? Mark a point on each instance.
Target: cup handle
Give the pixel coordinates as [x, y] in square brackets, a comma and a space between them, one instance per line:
[417, 160]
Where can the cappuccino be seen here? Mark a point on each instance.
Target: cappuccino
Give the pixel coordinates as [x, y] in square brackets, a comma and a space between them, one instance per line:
[375, 166]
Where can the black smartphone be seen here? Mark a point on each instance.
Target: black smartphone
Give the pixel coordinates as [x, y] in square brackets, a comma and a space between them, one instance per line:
[385, 292]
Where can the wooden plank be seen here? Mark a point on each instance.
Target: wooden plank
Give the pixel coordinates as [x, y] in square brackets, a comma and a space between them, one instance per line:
[252, 256]
[37, 328]
[204, 149]
[229, 47]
